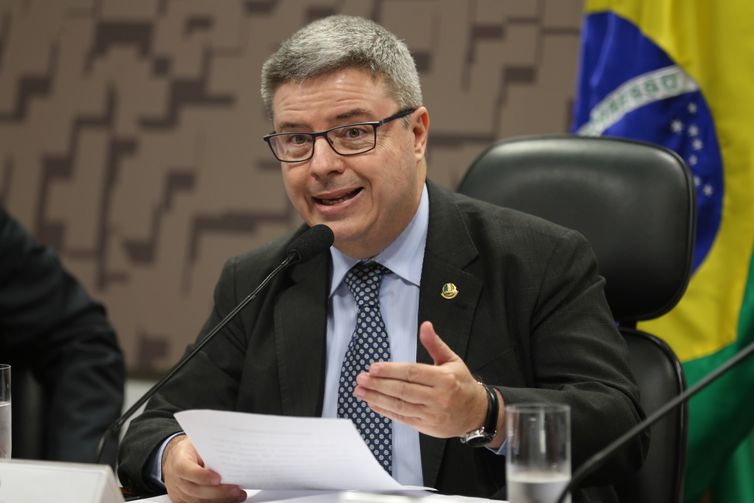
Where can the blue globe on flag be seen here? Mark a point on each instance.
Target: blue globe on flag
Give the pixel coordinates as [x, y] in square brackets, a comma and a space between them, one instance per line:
[629, 87]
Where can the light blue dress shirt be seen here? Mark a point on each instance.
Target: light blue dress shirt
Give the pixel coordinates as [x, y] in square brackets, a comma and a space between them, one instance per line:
[399, 304]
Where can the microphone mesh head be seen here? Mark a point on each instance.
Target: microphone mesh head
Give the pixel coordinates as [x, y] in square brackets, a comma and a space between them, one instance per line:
[311, 242]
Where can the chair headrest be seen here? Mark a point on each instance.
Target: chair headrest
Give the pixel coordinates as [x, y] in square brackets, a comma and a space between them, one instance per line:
[633, 201]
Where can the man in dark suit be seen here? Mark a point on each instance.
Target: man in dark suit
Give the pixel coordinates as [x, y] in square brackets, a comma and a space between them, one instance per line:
[509, 308]
[51, 328]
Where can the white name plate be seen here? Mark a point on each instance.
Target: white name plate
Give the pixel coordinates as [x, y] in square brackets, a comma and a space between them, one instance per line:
[30, 481]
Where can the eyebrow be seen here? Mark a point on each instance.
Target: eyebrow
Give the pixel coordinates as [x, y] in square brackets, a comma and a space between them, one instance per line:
[356, 112]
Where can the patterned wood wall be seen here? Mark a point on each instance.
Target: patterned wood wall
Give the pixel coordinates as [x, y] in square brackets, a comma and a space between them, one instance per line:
[130, 130]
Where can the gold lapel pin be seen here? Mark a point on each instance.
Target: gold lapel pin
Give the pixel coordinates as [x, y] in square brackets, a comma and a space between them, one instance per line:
[449, 291]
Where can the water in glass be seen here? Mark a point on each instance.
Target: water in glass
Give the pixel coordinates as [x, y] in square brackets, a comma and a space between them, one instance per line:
[533, 487]
[5, 438]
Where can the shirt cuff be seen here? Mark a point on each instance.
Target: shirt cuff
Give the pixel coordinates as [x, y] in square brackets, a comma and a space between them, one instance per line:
[154, 463]
[500, 451]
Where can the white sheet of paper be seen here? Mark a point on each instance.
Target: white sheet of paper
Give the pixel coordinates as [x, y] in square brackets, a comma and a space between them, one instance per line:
[343, 497]
[258, 451]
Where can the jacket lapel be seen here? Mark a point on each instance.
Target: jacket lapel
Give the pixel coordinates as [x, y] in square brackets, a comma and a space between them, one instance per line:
[448, 252]
[300, 338]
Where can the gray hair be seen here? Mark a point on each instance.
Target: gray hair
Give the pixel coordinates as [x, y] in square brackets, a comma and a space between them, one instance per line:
[340, 42]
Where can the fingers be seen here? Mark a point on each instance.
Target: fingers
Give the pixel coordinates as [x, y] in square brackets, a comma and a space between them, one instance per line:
[434, 418]
[188, 481]
[191, 493]
[406, 388]
[436, 347]
[442, 400]
[416, 422]
[415, 373]
[391, 383]
[393, 392]
[420, 373]
[392, 397]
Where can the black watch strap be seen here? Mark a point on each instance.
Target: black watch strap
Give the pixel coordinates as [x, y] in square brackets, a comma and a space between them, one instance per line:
[490, 425]
[484, 435]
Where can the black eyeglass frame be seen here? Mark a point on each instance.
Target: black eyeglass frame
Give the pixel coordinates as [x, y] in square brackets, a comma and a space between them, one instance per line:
[314, 135]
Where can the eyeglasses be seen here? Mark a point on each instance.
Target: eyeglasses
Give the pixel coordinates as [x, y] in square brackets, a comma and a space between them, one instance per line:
[351, 139]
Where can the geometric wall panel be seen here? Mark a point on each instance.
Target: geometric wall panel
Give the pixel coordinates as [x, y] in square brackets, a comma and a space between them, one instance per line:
[130, 132]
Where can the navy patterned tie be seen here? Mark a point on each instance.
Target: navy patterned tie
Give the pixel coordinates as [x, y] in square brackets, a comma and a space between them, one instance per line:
[369, 343]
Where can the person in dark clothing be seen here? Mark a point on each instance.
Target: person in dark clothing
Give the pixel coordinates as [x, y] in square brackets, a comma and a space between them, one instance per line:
[53, 331]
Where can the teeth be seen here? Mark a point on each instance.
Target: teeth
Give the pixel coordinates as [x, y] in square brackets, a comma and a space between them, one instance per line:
[331, 202]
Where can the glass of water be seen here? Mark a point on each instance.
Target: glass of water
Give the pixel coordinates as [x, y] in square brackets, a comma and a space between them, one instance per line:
[5, 438]
[538, 459]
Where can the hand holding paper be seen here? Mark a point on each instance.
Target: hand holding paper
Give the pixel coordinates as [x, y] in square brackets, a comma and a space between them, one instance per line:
[258, 451]
[187, 479]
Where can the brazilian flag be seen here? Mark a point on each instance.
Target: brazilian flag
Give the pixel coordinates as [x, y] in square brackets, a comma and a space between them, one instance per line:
[680, 73]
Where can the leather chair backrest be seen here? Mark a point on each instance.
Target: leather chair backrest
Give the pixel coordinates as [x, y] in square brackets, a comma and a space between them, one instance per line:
[635, 203]
[631, 200]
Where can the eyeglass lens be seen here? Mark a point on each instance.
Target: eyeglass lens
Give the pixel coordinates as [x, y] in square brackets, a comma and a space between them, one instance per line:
[345, 140]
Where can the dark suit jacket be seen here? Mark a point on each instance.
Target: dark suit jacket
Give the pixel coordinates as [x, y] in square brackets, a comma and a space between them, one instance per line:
[51, 329]
[530, 317]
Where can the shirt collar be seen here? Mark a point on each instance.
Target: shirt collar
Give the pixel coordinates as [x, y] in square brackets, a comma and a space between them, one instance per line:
[404, 256]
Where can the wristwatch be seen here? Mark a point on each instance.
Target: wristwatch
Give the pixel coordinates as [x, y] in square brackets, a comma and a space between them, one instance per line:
[484, 435]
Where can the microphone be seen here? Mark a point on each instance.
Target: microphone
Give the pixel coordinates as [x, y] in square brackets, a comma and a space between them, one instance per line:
[600, 457]
[309, 243]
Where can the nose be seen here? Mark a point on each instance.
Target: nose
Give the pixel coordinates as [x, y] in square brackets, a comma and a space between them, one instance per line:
[325, 161]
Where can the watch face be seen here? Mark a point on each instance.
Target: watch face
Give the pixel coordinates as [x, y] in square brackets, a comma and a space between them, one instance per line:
[478, 438]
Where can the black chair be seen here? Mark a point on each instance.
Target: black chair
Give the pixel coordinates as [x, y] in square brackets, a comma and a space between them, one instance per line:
[635, 203]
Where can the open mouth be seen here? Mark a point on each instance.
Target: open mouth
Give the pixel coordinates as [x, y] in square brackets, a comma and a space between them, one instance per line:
[337, 200]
